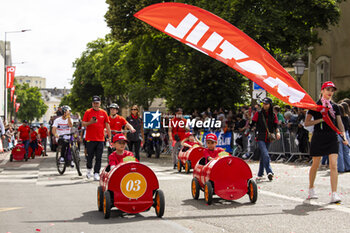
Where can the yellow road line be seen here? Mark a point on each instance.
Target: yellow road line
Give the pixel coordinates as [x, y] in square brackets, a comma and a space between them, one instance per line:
[11, 208]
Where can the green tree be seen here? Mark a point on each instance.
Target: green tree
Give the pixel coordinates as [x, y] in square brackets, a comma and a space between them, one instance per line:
[32, 105]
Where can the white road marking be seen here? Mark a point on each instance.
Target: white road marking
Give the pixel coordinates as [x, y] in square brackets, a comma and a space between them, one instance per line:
[311, 202]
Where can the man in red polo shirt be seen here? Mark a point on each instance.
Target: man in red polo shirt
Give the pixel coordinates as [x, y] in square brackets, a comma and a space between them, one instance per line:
[95, 120]
[43, 132]
[24, 130]
[177, 132]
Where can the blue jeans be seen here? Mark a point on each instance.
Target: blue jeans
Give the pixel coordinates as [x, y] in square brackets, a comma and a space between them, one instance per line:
[343, 155]
[26, 145]
[264, 158]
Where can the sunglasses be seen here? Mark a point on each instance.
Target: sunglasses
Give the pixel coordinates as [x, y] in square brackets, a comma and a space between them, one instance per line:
[134, 109]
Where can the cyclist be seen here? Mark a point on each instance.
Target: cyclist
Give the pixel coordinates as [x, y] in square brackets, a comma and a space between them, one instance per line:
[117, 122]
[61, 128]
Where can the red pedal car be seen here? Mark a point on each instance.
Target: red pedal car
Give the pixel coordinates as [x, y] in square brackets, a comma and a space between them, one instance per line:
[188, 158]
[226, 176]
[131, 187]
[18, 152]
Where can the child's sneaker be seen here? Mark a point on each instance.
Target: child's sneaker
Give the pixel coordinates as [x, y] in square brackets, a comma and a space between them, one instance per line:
[270, 176]
[97, 177]
[335, 198]
[312, 194]
[88, 173]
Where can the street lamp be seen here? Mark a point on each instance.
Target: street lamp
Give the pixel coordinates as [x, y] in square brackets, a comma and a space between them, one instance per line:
[299, 67]
[5, 89]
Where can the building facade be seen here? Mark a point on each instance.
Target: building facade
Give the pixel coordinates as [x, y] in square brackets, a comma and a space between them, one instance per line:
[330, 61]
[33, 81]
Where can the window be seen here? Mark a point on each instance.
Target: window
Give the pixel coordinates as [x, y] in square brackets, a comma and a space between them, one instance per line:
[27, 81]
[322, 72]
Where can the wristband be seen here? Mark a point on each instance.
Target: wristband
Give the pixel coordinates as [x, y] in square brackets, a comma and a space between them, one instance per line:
[321, 120]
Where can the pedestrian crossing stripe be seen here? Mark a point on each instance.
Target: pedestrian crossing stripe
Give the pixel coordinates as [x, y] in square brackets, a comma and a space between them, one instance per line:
[10, 208]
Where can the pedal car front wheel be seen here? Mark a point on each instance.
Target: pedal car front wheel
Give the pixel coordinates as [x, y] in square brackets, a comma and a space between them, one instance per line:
[195, 188]
[208, 192]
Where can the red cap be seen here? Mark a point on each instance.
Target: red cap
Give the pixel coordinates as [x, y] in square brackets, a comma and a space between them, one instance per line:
[188, 134]
[118, 137]
[328, 84]
[211, 137]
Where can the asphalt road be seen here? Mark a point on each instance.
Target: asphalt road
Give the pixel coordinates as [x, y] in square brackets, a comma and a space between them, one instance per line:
[34, 198]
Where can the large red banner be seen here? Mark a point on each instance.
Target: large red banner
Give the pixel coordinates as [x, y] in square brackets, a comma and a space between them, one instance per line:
[12, 92]
[219, 39]
[10, 76]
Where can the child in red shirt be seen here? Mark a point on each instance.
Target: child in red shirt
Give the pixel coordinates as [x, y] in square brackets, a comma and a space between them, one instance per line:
[190, 140]
[118, 156]
[33, 140]
[211, 152]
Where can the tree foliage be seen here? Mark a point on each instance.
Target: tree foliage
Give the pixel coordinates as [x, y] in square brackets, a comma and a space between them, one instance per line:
[32, 105]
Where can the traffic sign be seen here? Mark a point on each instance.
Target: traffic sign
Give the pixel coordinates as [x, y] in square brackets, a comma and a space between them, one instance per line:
[259, 94]
[257, 87]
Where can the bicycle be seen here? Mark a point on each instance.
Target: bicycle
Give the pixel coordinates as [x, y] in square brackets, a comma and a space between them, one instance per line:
[72, 153]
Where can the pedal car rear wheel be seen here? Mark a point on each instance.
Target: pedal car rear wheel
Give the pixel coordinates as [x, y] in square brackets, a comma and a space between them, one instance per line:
[208, 192]
[195, 188]
[252, 191]
[61, 167]
[107, 204]
[179, 166]
[99, 198]
[188, 166]
[159, 203]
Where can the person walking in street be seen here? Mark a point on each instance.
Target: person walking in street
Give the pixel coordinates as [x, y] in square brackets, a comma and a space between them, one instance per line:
[134, 138]
[266, 124]
[177, 132]
[116, 123]
[43, 132]
[324, 141]
[95, 120]
[24, 130]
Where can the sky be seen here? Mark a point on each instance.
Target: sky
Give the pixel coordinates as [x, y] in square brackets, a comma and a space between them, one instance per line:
[59, 33]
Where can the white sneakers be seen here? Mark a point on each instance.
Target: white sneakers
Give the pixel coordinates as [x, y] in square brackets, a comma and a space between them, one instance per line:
[88, 173]
[61, 160]
[96, 176]
[71, 163]
[335, 198]
[312, 194]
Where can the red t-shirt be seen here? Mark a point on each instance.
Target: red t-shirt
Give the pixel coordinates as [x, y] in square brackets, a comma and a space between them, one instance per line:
[177, 129]
[212, 153]
[117, 123]
[24, 132]
[95, 131]
[33, 135]
[43, 132]
[115, 159]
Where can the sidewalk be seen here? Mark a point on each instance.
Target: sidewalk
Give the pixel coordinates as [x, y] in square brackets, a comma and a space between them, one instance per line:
[4, 155]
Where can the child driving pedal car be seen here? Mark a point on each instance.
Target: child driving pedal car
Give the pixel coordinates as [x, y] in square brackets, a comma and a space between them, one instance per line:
[119, 143]
[211, 152]
[190, 140]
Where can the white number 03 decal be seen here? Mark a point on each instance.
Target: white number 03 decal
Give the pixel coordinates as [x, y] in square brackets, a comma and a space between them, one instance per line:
[132, 185]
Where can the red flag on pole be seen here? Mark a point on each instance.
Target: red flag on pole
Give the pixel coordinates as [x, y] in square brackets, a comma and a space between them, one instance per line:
[17, 106]
[10, 76]
[14, 100]
[219, 39]
[12, 92]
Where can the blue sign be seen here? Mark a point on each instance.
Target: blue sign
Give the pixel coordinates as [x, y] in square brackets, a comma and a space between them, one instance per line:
[257, 87]
[224, 140]
[151, 120]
